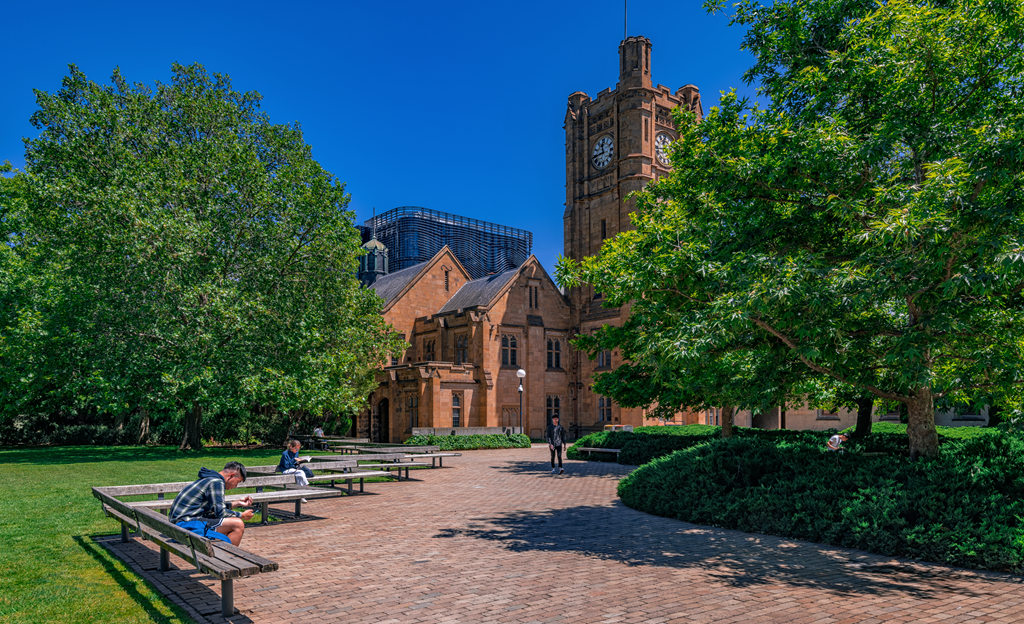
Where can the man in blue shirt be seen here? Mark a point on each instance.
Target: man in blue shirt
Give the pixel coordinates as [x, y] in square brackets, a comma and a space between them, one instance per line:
[201, 507]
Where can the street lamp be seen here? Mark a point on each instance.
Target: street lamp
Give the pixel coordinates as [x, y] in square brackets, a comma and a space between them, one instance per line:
[521, 374]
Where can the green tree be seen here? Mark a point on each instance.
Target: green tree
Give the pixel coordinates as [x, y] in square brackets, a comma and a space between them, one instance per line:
[868, 218]
[180, 254]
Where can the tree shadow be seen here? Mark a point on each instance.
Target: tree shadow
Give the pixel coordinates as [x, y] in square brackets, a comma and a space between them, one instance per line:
[618, 533]
[199, 600]
[54, 455]
[572, 468]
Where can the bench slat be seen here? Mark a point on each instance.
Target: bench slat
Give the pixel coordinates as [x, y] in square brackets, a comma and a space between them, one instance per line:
[276, 496]
[228, 560]
[163, 488]
[142, 516]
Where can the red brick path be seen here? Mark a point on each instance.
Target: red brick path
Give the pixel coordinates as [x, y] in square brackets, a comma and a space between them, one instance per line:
[496, 538]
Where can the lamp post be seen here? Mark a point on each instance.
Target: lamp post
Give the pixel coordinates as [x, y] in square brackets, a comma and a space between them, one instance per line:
[521, 374]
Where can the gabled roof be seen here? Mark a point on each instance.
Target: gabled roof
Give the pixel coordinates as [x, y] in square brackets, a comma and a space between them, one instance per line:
[391, 285]
[479, 292]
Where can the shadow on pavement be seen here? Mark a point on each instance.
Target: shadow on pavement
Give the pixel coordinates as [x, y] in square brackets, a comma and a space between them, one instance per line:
[572, 468]
[618, 533]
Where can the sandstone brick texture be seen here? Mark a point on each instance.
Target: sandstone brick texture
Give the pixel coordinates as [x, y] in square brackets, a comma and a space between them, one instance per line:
[496, 538]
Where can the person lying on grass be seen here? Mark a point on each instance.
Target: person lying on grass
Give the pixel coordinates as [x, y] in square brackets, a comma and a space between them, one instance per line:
[201, 508]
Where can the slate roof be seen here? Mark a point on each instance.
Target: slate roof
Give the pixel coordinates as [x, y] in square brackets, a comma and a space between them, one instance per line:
[479, 292]
[388, 286]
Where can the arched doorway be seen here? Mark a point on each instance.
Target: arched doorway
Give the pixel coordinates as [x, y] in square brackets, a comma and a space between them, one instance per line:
[379, 429]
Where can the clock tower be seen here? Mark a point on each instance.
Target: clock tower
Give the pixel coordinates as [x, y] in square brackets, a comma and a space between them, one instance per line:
[614, 144]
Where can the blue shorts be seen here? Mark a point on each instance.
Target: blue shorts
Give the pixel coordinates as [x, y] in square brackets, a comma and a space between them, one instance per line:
[206, 530]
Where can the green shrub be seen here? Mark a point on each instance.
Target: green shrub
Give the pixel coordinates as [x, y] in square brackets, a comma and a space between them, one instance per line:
[469, 442]
[961, 507]
[646, 443]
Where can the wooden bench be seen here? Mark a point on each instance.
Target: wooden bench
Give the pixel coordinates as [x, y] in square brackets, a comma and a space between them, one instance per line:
[221, 560]
[379, 461]
[288, 493]
[398, 449]
[336, 472]
[597, 449]
[411, 452]
[439, 457]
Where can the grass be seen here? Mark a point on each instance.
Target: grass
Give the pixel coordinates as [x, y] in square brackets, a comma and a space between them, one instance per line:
[52, 571]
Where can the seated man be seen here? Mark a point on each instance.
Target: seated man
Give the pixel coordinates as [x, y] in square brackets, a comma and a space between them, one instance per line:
[201, 507]
[291, 463]
[318, 435]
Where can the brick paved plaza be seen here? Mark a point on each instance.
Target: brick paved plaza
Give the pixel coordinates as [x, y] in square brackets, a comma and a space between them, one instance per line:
[496, 538]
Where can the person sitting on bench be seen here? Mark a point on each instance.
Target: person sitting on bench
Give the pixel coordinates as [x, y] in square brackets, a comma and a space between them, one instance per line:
[201, 508]
[291, 463]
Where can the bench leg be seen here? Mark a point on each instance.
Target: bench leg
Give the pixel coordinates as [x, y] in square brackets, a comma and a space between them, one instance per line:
[349, 482]
[124, 532]
[360, 486]
[227, 597]
[165, 560]
[263, 513]
[298, 508]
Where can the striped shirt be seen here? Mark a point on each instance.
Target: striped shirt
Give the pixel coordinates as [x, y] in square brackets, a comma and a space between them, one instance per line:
[202, 499]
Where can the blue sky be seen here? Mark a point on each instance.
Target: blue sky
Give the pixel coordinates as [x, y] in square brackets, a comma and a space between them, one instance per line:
[456, 106]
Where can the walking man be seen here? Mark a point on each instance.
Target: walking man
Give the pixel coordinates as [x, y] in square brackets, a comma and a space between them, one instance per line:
[556, 439]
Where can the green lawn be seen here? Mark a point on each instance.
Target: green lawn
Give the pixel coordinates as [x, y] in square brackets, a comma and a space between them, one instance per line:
[52, 571]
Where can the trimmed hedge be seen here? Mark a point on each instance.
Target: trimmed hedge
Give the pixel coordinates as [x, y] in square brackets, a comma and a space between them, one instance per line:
[646, 443]
[961, 508]
[469, 442]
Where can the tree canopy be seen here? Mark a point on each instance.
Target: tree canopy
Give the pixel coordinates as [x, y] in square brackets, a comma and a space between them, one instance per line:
[867, 219]
[172, 251]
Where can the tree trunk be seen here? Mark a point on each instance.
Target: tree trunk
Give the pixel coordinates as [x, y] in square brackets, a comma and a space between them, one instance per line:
[143, 428]
[865, 405]
[727, 413]
[923, 438]
[192, 437]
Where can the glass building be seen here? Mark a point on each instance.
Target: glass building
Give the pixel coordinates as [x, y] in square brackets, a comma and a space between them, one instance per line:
[413, 234]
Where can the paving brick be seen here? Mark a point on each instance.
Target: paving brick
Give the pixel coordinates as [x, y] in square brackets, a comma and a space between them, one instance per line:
[496, 538]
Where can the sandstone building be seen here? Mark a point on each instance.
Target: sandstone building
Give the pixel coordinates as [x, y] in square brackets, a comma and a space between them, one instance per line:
[615, 144]
[468, 338]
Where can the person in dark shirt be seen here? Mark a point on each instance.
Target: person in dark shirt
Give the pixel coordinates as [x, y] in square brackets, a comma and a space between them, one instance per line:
[291, 463]
[555, 437]
[200, 507]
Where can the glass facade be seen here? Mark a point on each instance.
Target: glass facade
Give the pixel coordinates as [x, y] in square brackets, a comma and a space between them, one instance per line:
[413, 234]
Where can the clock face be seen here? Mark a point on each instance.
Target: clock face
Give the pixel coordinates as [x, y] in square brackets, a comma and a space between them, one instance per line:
[661, 143]
[603, 150]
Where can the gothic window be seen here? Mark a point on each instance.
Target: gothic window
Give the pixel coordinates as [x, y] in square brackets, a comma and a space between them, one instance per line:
[446, 272]
[461, 345]
[509, 351]
[413, 405]
[456, 409]
[554, 353]
[604, 229]
[604, 409]
[554, 404]
[604, 359]
[428, 350]
[510, 416]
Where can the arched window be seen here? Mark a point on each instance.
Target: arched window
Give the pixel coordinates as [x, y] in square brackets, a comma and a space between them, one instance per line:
[461, 346]
[554, 353]
[509, 351]
[456, 409]
[554, 405]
